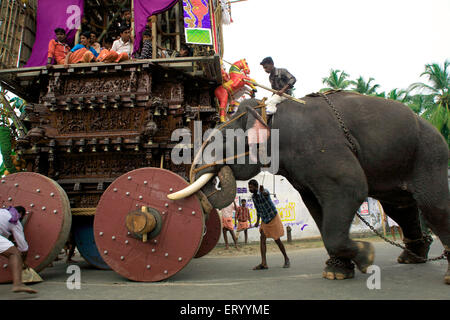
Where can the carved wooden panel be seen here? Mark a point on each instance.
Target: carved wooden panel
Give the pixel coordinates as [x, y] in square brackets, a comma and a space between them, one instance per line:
[105, 165]
[85, 121]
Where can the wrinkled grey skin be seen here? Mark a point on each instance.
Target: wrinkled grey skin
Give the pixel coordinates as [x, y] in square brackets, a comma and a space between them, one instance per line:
[401, 161]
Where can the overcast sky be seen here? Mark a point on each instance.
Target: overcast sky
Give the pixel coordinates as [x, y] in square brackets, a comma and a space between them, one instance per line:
[389, 40]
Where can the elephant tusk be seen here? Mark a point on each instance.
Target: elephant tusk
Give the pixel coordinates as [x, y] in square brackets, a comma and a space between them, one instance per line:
[191, 189]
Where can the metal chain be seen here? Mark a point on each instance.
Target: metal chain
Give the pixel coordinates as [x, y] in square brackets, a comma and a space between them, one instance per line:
[442, 256]
[341, 122]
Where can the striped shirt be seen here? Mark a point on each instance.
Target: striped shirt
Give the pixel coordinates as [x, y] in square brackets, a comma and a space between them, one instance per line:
[242, 214]
[265, 209]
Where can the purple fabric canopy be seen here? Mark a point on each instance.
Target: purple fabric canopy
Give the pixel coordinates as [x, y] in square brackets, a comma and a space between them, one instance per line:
[65, 14]
[142, 10]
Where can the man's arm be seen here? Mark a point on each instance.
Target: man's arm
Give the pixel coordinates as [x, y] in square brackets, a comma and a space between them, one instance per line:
[257, 221]
[51, 52]
[19, 237]
[263, 191]
[290, 84]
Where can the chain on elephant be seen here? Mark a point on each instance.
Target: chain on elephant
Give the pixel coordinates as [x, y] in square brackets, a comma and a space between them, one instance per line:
[442, 256]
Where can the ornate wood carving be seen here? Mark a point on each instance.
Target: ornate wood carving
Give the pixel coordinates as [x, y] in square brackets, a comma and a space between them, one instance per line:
[85, 121]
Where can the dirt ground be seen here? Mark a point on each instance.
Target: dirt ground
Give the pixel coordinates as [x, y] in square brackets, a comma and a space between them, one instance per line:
[295, 245]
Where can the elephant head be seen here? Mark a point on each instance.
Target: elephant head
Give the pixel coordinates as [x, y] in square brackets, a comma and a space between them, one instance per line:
[230, 153]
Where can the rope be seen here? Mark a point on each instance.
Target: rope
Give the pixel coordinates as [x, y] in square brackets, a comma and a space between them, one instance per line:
[83, 211]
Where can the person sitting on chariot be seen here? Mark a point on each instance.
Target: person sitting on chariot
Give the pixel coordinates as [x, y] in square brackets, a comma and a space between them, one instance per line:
[82, 52]
[146, 49]
[58, 48]
[280, 80]
[185, 51]
[94, 43]
[121, 49]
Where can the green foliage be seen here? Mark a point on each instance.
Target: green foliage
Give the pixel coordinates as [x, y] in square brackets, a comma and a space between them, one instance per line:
[430, 99]
[363, 87]
[336, 80]
[436, 100]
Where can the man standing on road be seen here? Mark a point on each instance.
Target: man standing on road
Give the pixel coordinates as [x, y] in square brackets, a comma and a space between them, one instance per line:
[242, 220]
[10, 224]
[280, 80]
[271, 225]
[227, 225]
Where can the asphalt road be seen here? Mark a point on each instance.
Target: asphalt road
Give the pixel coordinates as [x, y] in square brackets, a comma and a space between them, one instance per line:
[223, 278]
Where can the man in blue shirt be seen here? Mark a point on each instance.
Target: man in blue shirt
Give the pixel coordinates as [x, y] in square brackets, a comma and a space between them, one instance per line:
[271, 225]
[82, 52]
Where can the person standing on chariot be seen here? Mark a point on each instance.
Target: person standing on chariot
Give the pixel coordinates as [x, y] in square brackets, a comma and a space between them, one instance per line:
[280, 80]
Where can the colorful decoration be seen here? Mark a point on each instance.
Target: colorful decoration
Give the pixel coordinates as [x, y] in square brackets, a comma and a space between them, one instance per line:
[232, 85]
[197, 22]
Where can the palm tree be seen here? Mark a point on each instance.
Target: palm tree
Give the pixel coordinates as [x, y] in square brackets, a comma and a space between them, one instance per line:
[336, 80]
[439, 91]
[419, 103]
[364, 87]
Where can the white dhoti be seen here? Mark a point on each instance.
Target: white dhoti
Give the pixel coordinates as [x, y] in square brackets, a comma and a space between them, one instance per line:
[392, 223]
[5, 244]
[271, 103]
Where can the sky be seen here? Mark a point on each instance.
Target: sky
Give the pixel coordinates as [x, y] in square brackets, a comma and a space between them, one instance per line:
[388, 40]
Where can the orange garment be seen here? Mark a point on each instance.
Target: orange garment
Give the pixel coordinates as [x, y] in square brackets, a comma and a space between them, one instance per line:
[110, 56]
[274, 229]
[242, 225]
[58, 51]
[227, 223]
[81, 55]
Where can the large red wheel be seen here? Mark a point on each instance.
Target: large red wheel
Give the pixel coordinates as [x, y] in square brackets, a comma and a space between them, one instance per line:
[48, 218]
[140, 233]
[211, 235]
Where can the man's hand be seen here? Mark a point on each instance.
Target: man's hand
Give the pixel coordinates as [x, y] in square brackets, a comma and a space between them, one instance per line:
[280, 92]
[261, 188]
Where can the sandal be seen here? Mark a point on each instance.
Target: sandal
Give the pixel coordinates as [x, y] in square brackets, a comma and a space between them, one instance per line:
[260, 267]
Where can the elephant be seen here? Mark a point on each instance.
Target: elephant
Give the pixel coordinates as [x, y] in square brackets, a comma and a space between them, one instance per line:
[336, 150]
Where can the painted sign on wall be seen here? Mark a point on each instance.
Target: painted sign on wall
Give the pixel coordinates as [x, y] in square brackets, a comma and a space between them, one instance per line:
[293, 211]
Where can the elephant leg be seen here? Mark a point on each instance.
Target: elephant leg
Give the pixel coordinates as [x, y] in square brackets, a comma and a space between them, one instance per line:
[408, 220]
[313, 206]
[341, 194]
[437, 216]
[431, 193]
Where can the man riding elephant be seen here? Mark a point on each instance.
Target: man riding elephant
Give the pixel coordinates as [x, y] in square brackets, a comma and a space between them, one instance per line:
[280, 80]
[336, 150]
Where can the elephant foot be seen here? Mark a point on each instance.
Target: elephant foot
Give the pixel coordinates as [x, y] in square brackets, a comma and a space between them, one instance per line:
[339, 269]
[419, 248]
[365, 256]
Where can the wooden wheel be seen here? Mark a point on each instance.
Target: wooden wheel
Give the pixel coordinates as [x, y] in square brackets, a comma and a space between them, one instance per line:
[140, 233]
[48, 219]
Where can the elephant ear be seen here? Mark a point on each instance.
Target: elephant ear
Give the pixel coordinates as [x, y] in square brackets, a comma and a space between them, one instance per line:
[258, 131]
